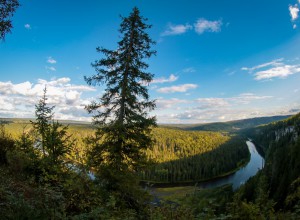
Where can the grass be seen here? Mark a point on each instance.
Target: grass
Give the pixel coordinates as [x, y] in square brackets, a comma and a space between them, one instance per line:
[173, 193]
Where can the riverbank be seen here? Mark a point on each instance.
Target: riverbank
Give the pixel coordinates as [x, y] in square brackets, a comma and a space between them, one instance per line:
[235, 178]
[154, 184]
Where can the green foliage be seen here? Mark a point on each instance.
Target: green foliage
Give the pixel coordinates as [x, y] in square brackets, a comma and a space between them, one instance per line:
[44, 116]
[124, 123]
[208, 203]
[191, 156]
[273, 193]
[7, 9]
[6, 144]
[123, 133]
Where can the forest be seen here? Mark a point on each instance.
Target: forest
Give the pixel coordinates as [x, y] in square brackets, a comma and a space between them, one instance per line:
[55, 170]
[177, 155]
[30, 181]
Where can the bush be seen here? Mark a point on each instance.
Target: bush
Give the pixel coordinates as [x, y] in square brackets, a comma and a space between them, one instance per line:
[6, 144]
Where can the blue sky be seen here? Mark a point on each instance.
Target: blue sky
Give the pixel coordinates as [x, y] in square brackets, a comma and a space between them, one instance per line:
[216, 60]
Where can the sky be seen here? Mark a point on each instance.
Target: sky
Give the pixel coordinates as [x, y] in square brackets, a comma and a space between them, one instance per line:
[216, 60]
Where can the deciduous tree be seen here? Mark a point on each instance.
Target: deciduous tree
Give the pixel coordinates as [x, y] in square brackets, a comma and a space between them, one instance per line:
[7, 9]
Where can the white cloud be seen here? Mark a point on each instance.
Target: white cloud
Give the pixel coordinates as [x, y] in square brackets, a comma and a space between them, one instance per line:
[51, 60]
[176, 29]
[179, 88]
[212, 102]
[294, 10]
[277, 72]
[50, 68]
[189, 70]
[213, 109]
[247, 98]
[276, 62]
[294, 26]
[27, 26]
[202, 25]
[169, 103]
[18, 100]
[244, 98]
[172, 78]
[216, 115]
[273, 69]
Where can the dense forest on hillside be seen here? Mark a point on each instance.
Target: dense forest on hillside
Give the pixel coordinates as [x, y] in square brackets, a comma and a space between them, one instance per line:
[191, 156]
[177, 155]
[237, 125]
[281, 144]
[274, 191]
[272, 194]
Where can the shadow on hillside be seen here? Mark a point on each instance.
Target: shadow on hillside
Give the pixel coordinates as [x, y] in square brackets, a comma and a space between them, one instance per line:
[222, 161]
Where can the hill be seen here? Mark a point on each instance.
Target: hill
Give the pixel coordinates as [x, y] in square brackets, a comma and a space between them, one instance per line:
[234, 126]
[280, 142]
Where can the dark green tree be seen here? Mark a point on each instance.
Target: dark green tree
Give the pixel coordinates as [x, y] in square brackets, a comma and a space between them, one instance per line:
[124, 126]
[7, 9]
[43, 119]
[53, 138]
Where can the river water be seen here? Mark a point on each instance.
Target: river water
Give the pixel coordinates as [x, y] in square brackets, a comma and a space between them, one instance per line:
[242, 175]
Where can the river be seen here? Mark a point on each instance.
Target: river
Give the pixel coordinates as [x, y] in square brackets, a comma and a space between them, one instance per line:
[236, 179]
[242, 175]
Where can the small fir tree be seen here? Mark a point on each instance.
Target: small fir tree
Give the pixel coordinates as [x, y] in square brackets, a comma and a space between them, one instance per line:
[53, 137]
[44, 116]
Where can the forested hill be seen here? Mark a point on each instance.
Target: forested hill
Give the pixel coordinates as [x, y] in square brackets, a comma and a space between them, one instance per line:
[233, 126]
[191, 156]
[280, 178]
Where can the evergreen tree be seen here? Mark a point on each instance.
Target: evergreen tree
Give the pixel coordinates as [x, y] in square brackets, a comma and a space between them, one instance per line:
[53, 137]
[124, 125]
[7, 8]
[44, 116]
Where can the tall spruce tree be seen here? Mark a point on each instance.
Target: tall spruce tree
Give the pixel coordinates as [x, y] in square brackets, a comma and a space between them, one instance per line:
[7, 8]
[124, 125]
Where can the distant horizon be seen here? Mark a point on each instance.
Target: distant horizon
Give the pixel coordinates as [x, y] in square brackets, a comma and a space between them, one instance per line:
[90, 122]
[216, 60]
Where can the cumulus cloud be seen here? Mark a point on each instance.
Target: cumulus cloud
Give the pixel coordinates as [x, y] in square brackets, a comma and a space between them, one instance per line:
[179, 88]
[172, 78]
[27, 26]
[51, 60]
[294, 11]
[202, 25]
[176, 29]
[18, 100]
